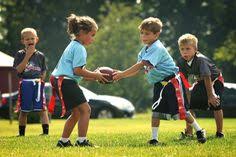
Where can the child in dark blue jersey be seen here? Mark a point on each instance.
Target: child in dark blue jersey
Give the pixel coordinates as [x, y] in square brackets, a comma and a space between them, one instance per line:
[169, 100]
[31, 68]
[206, 79]
[68, 73]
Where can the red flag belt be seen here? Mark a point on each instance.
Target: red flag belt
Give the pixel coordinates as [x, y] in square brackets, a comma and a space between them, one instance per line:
[18, 104]
[179, 96]
[52, 101]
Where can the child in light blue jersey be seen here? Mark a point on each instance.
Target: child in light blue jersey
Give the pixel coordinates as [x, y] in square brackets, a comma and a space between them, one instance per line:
[169, 100]
[68, 73]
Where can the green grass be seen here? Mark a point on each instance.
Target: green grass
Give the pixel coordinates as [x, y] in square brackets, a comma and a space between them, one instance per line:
[118, 137]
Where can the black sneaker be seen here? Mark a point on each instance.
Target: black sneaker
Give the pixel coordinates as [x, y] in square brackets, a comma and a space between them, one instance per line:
[183, 136]
[219, 135]
[201, 136]
[85, 143]
[153, 142]
[62, 144]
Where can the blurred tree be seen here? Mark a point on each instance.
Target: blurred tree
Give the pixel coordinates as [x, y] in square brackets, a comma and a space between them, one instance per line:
[117, 41]
[117, 45]
[47, 17]
[226, 56]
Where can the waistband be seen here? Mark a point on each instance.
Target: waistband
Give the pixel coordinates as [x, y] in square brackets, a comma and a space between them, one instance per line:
[169, 77]
[33, 80]
[64, 77]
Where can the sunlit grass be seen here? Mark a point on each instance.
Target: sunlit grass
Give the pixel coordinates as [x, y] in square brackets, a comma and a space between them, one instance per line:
[118, 137]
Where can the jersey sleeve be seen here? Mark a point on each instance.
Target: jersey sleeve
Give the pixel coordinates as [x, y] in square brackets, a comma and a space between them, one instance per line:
[153, 56]
[17, 59]
[80, 56]
[204, 68]
[44, 65]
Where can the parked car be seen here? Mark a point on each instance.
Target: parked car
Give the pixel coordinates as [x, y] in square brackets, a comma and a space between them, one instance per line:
[4, 104]
[102, 106]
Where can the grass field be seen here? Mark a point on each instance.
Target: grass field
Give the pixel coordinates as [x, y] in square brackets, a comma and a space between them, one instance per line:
[118, 137]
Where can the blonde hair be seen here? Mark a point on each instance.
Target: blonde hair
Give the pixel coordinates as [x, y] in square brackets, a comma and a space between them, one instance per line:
[151, 24]
[77, 23]
[25, 30]
[188, 39]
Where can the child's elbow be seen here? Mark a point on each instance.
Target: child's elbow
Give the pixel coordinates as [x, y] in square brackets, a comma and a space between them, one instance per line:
[77, 71]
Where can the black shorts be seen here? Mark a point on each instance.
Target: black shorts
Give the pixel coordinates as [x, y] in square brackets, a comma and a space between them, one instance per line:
[72, 94]
[199, 99]
[168, 106]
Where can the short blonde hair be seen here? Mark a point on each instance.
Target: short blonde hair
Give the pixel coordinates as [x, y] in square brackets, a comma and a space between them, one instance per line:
[151, 24]
[188, 39]
[32, 30]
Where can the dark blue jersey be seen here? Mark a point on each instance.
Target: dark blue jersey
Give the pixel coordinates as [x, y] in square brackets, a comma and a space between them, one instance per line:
[34, 68]
[201, 66]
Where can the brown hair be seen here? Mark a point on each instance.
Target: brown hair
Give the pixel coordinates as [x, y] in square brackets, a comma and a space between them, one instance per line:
[77, 23]
[151, 24]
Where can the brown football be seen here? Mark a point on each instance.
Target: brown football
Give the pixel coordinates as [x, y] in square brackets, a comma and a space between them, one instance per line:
[107, 70]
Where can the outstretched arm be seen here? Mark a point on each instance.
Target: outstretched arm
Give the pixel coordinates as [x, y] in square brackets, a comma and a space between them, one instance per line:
[133, 70]
[90, 75]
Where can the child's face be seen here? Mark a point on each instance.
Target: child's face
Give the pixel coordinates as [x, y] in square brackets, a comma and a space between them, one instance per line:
[148, 37]
[29, 39]
[187, 51]
[87, 38]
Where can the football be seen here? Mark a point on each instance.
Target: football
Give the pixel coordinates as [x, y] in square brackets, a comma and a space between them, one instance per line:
[107, 70]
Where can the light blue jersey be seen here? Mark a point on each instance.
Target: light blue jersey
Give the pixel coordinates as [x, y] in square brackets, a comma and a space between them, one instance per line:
[74, 55]
[159, 57]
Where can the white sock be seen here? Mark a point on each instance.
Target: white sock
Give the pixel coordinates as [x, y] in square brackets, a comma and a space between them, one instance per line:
[64, 140]
[155, 133]
[196, 126]
[81, 139]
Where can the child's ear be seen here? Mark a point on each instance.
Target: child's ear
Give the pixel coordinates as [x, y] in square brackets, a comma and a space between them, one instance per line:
[158, 33]
[37, 40]
[22, 41]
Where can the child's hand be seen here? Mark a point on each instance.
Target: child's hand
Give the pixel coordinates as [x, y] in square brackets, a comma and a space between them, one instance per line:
[213, 101]
[30, 50]
[101, 76]
[117, 75]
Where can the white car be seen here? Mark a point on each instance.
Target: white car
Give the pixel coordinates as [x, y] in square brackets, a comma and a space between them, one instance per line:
[102, 106]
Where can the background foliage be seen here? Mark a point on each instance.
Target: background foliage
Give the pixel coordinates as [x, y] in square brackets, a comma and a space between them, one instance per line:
[117, 41]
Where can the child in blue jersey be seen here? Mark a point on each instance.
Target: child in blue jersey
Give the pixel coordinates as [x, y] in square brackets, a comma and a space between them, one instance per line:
[68, 73]
[31, 69]
[169, 100]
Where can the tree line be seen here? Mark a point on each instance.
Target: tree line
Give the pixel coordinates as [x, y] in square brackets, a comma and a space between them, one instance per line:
[117, 41]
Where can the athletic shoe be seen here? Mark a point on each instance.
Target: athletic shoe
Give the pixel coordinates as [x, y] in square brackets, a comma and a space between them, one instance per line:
[153, 142]
[62, 144]
[85, 143]
[201, 136]
[219, 135]
[183, 136]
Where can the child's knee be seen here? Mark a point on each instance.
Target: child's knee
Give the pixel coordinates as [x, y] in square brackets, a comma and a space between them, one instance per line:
[85, 109]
